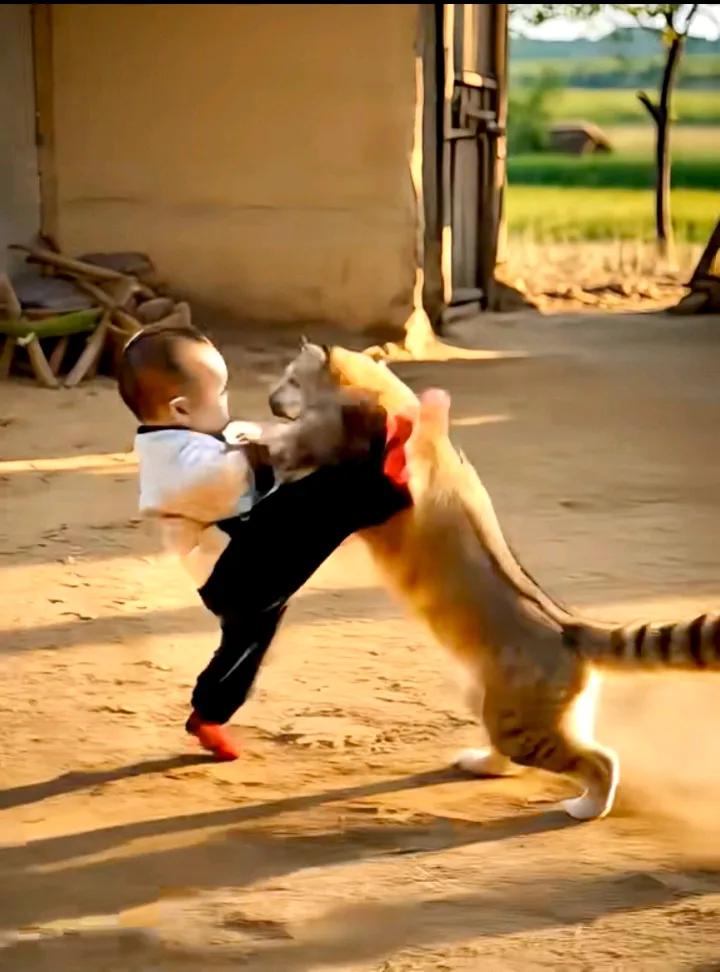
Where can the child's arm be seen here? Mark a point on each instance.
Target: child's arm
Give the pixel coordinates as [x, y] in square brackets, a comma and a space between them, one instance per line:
[194, 476]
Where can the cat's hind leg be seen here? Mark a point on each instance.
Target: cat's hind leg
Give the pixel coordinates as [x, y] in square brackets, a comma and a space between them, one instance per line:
[593, 766]
[558, 738]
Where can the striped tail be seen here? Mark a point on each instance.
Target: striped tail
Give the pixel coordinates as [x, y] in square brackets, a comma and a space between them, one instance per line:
[687, 646]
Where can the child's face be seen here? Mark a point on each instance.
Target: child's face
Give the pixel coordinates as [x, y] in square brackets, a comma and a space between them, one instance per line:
[204, 406]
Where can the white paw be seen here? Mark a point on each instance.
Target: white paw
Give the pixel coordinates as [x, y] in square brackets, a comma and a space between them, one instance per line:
[587, 807]
[485, 762]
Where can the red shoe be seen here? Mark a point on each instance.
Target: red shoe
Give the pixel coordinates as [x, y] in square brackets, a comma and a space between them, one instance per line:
[399, 430]
[212, 737]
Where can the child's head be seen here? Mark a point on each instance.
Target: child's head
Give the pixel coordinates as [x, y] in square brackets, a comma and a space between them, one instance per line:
[172, 375]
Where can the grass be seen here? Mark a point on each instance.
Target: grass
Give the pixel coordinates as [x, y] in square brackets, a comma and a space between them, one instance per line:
[696, 71]
[620, 106]
[688, 141]
[696, 161]
[572, 213]
[609, 197]
[609, 171]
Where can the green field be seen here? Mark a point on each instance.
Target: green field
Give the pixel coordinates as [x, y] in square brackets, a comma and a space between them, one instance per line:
[610, 179]
[697, 71]
[688, 141]
[620, 106]
[576, 214]
[600, 197]
[610, 196]
[609, 171]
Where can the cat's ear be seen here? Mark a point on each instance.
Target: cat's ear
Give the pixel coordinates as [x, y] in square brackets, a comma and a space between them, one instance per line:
[317, 351]
[303, 342]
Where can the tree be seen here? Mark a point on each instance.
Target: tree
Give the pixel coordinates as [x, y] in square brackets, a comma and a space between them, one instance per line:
[675, 20]
[531, 115]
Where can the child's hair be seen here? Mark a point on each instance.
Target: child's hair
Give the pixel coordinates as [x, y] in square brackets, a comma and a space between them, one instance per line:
[151, 371]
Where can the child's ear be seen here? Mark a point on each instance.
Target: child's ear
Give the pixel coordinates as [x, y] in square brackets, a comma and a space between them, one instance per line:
[180, 408]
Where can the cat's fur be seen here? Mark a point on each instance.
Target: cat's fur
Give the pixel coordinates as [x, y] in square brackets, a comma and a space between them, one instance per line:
[531, 661]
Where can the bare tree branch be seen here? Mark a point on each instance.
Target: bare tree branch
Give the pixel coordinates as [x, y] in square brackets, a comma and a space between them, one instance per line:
[689, 19]
[652, 108]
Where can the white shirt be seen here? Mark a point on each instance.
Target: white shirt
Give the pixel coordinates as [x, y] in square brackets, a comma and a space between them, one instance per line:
[189, 481]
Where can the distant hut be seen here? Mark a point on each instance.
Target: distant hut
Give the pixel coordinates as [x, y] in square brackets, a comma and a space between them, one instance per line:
[578, 138]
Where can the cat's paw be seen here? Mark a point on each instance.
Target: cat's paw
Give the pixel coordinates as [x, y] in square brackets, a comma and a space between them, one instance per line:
[485, 762]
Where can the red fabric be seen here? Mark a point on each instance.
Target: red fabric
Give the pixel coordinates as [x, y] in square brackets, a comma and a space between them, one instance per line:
[214, 738]
[399, 429]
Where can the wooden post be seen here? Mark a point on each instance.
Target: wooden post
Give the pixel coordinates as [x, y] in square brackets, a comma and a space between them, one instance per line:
[90, 354]
[41, 368]
[13, 310]
[501, 74]
[448, 74]
[45, 116]
[6, 356]
[431, 52]
[58, 353]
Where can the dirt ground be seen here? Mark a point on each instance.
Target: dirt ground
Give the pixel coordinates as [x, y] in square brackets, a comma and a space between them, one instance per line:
[623, 276]
[340, 840]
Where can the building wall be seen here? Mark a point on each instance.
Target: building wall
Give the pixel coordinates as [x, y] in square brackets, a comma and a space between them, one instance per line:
[258, 152]
[19, 192]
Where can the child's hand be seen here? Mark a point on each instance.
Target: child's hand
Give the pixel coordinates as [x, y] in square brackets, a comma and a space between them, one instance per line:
[252, 439]
[240, 433]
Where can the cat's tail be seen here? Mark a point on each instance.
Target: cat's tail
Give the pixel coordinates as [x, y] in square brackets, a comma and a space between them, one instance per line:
[684, 645]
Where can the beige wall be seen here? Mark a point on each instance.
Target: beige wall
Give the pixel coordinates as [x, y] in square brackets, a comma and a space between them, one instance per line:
[19, 191]
[259, 152]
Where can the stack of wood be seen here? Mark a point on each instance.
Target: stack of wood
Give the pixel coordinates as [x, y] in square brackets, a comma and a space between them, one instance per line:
[704, 285]
[121, 293]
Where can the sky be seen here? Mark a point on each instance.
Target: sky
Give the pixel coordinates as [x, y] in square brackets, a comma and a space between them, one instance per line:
[705, 24]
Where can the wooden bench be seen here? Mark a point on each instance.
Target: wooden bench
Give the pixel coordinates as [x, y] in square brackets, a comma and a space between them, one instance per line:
[23, 334]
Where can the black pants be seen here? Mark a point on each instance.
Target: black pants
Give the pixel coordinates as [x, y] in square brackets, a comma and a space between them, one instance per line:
[273, 550]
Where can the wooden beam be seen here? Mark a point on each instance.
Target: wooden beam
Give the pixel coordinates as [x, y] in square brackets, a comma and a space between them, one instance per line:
[57, 355]
[6, 356]
[90, 355]
[447, 13]
[431, 52]
[41, 14]
[501, 72]
[38, 254]
[126, 322]
[40, 366]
